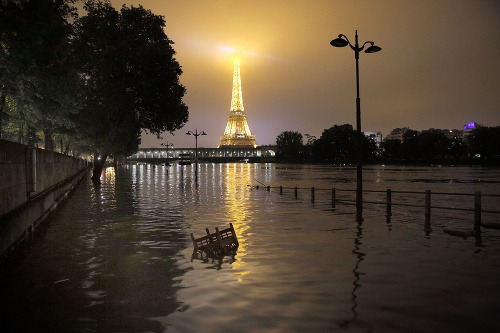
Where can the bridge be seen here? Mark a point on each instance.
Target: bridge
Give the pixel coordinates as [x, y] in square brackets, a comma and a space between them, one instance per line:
[216, 155]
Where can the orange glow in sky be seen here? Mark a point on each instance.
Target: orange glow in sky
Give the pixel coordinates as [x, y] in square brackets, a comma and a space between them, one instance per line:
[438, 67]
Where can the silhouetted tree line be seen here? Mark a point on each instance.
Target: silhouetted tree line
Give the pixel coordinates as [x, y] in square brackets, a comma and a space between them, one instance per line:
[337, 145]
[88, 84]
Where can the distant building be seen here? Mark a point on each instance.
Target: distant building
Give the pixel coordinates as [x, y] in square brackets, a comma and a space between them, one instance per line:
[469, 127]
[375, 136]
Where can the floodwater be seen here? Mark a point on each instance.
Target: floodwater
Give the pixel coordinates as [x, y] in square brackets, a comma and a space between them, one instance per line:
[119, 258]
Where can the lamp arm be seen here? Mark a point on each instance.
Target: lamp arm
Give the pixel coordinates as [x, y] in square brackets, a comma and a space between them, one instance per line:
[347, 39]
[368, 42]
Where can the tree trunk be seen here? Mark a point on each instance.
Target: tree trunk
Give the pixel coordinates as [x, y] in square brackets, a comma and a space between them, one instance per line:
[97, 168]
[100, 159]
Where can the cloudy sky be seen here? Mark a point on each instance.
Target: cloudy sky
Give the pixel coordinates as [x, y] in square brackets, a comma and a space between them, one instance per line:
[439, 66]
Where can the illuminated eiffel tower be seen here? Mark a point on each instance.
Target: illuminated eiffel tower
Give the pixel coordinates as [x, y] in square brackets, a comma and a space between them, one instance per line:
[237, 133]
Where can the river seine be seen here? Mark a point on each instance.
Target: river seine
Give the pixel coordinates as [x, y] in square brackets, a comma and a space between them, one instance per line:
[119, 258]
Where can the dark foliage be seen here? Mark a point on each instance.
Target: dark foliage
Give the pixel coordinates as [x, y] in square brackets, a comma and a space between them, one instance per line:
[37, 83]
[484, 143]
[131, 78]
[289, 145]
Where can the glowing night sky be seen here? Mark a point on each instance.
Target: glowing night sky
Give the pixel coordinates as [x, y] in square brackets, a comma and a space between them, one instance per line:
[439, 66]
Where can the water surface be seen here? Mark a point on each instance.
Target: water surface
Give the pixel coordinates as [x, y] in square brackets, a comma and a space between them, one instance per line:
[119, 258]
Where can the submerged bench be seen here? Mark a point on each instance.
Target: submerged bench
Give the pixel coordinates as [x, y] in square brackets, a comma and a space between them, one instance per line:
[218, 243]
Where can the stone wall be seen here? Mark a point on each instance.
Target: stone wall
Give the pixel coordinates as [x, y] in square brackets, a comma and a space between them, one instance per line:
[32, 181]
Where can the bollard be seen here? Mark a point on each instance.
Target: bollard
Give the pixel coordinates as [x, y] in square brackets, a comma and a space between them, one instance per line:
[427, 205]
[389, 202]
[268, 188]
[333, 197]
[312, 194]
[281, 189]
[295, 190]
[477, 217]
[477, 208]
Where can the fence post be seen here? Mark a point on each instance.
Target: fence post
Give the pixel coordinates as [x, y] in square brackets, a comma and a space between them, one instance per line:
[477, 208]
[333, 197]
[427, 205]
[389, 202]
[295, 191]
[281, 189]
[312, 194]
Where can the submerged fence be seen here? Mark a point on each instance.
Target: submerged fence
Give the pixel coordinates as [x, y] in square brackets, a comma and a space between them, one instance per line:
[387, 198]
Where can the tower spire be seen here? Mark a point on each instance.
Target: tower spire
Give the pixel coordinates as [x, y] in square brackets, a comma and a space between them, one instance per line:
[237, 133]
[237, 96]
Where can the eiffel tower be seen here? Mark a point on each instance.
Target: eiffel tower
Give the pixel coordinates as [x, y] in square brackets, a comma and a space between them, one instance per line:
[237, 133]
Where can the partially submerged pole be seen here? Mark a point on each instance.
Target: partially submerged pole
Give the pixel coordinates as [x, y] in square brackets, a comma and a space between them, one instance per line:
[477, 208]
[389, 202]
[427, 205]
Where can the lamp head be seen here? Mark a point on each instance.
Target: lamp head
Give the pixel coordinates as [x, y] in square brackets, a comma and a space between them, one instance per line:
[203, 133]
[189, 133]
[373, 49]
[339, 42]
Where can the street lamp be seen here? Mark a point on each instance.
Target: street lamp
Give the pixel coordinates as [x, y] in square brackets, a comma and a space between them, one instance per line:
[342, 41]
[196, 135]
[166, 146]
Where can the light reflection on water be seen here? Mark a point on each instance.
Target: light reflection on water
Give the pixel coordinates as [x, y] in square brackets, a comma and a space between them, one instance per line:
[119, 258]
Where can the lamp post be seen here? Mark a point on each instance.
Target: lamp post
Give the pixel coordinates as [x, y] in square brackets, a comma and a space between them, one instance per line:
[166, 146]
[196, 135]
[342, 41]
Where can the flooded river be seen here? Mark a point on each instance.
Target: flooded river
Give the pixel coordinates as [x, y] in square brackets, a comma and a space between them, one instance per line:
[119, 258]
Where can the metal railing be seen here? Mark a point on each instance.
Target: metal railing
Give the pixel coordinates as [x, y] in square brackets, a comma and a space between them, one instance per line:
[388, 201]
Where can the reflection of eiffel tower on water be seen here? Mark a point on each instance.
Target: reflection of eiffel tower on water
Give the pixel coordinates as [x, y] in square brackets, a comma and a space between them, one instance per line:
[237, 133]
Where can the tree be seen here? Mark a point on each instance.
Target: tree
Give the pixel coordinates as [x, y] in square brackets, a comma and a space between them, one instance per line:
[433, 144]
[458, 148]
[369, 148]
[131, 79]
[35, 79]
[336, 145]
[308, 147]
[15, 60]
[391, 149]
[409, 145]
[289, 145]
[484, 142]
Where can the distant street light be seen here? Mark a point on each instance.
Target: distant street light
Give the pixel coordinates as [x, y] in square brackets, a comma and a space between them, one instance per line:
[342, 41]
[196, 135]
[166, 146]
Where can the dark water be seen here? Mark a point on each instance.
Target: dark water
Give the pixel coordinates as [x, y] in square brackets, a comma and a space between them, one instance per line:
[119, 258]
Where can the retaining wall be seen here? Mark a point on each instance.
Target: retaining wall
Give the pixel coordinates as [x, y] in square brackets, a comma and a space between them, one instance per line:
[32, 182]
